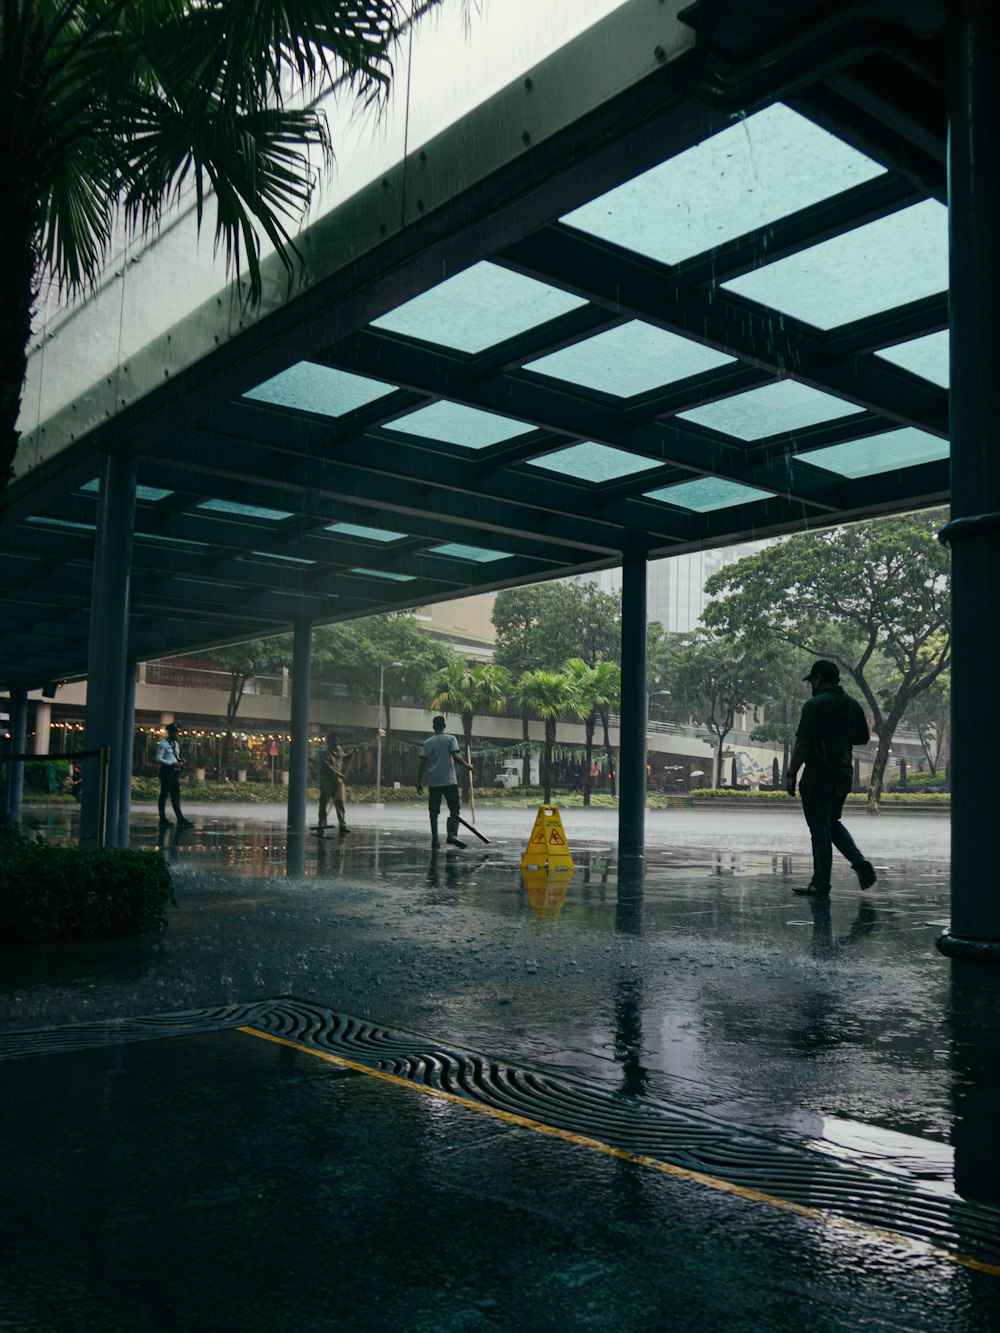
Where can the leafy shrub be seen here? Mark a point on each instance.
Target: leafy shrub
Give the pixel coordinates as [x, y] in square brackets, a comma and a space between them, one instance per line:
[103, 892]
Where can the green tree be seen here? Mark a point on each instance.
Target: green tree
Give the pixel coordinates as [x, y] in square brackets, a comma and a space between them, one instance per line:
[869, 596]
[547, 695]
[592, 689]
[256, 657]
[112, 109]
[469, 690]
[354, 655]
[539, 626]
[713, 678]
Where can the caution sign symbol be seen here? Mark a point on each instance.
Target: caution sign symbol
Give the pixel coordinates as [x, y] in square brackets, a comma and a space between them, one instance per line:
[548, 844]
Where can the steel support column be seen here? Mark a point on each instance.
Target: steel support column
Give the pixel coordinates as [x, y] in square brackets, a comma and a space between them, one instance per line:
[106, 658]
[632, 748]
[18, 737]
[125, 768]
[298, 763]
[974, 530]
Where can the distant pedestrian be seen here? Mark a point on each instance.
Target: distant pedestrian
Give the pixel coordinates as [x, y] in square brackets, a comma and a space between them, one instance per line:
[831, 724]
[332, 783]
[438, 756]
[168, 758]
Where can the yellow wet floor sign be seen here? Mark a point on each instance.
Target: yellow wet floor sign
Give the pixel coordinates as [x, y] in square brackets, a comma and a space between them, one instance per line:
[548, 844]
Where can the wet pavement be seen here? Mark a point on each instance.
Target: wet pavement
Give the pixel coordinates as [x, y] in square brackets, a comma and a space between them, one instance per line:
[563, 1103]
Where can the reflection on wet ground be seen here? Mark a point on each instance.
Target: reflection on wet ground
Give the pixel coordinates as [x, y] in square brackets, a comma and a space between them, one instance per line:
[834, 1026]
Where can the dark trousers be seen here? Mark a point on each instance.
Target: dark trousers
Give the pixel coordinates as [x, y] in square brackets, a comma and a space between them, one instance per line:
[170, 785]
[822, 804]
[434, 797]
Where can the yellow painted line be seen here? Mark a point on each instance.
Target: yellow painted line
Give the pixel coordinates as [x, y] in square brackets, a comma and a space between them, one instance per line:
[835, 1220]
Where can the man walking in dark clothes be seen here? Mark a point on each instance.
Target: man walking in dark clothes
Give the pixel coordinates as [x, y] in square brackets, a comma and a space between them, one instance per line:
[830, 725]
[438, 756]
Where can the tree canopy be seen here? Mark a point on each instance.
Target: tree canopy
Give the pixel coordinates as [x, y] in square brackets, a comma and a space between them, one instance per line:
[873, 597]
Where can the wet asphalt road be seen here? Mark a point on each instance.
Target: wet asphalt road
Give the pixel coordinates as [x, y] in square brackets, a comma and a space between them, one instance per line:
[216, 1180]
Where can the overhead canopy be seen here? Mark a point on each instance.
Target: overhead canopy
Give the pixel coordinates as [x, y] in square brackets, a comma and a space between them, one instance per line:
[712, 306]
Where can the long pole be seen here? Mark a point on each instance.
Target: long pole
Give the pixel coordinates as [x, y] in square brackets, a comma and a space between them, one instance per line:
[378, 745]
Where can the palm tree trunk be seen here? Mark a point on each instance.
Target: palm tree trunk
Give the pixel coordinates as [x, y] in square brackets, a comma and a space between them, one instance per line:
[588, 755]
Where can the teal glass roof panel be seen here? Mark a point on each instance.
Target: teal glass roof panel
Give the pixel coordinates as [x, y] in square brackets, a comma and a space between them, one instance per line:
[769, 165]
[886, 263]
[141, 492]
[325, 390]
[879, 453]
[244, 511]
[366, 534]
[45, 522]
[286, 559]
[383, 574]
[770, 410]
[929, 357]
[456, 551]
[183, 542]
[594, 462]
[478, 308]
[630, 359]
[708, 493]
[453, 423]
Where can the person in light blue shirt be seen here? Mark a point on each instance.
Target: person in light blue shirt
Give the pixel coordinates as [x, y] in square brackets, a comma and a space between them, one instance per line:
[168, 760]
[438, 756]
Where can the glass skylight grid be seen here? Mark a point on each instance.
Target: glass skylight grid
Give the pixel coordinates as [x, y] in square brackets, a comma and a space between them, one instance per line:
[366, 534]
[887, 263]
[454, 423]
[708, 493]
[383, 574]
[478, 308]
[879, 453]
[244, 511]
[325, 390]
[594, 462]
[630, 359]
[771, 409]
[769, 165]
[929, 357]
[456, 551]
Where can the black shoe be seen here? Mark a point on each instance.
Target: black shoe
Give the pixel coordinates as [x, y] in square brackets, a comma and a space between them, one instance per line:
[343, 829]
[812, 891]
[454, 842]
[185, 823]
[165, 822]
[866, 874]
[435, 845]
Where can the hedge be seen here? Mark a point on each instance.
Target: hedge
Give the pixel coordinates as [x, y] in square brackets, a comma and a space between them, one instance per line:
[48, 891]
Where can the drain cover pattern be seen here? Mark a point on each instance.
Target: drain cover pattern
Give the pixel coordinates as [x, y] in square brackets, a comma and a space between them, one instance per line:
[639, 1126]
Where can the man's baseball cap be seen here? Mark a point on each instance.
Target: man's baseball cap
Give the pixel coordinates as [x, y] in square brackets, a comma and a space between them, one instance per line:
[825, 669]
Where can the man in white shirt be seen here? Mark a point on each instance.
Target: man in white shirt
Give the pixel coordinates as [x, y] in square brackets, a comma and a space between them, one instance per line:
[168, 759]
[438, 756]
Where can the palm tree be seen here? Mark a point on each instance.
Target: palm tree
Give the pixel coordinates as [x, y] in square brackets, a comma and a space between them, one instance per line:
[468, 690]
[549, 695]
[112, 108]
[593, 689]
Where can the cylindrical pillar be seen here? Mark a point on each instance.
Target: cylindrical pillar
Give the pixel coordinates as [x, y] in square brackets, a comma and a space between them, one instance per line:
[18, 737]
[125, 768]
[298, 764]
[632, 747]
[974, 530]
[43, 727]
[108, 639]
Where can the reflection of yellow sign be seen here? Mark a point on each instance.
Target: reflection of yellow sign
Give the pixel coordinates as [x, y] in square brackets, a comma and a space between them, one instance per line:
[547, 845]
[546, 893]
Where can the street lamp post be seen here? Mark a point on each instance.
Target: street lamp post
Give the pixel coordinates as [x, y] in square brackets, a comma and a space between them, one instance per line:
[378, 749]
